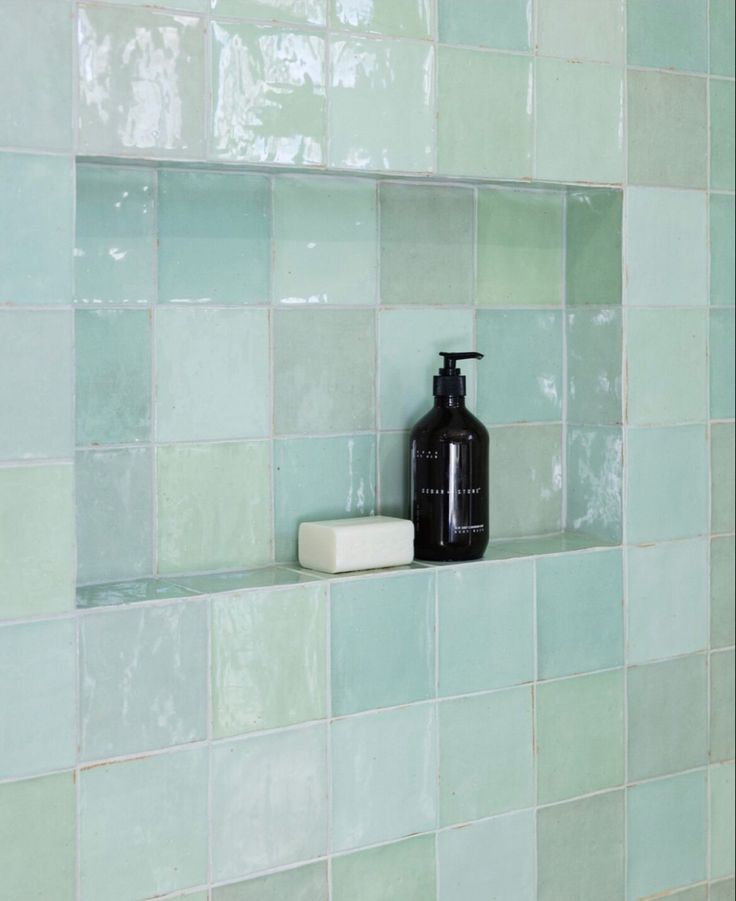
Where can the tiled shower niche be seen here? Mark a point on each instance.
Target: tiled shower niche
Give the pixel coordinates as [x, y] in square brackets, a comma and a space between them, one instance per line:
[251, 350]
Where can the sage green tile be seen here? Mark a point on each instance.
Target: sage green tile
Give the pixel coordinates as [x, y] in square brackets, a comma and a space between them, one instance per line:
[484, 116]
[37, 838]
[36, 221]
[381, 111]
[393, 473]
[722, 593]
[667, 130]
[722, 135]
[127, 107]
[593, 247]
[307, 11]
[113, 376]
[594, 361]
[407, 18]
[667, 483]
[581, 849]
[723, 891]
[581, 99]
[668, 729]
[405, 871]
[722, 466]
[722, 813]
[722, 701]
[666, 845]
[111, 594]
[36, 540]
[722, 352]
[699, 893]
[269, 658]
[579, 30]
[265, 577]
[595, 483]
[214, 237]
[188, 5]
[143, 826]
[427, 244]
[324, 371]
[38, 696]
[36, 373]
[325, 235]
[302, 884]
[212, 374]
[520, 248]
[722, 242]
[722, 37]
[214, 506]
[664, 35]
[504, 25]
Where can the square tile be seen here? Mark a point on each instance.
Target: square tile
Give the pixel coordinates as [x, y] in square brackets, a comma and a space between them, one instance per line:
[580, 30]
[722, 353]
[722, 37]
[269, 658]
[593, 247]
[664, 35]
[595, 482]
[504, 25]
[412, 20]
[393, 472]
[722, 488]
[302, 884]
[722, 813]
[722, 701]
[722, 135]
[269, 801]
[594, 364]
[405, 871]
[722, 628]
[312, 12]
[722, 256]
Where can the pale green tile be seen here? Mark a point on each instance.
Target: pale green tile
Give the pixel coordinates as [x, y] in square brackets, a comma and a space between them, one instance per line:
[595, 483]
[302, 884]
[405, 18]
[723, 490]
[189, 5]
[722, 701]
[722, 37]
[503, 25]
[307, 11]
[722, 163]
[393, 472]
[405, 871]
[723, 891]
[722, 353]
[722, 243]
[266, 577]
[722, 593]
[666, 35]
[699, 893]
[722, 814]
[581, 30]
[111, 594]
[593, 247]
[594, 361]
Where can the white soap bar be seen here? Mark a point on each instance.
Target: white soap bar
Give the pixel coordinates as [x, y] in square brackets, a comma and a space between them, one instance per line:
[347, 545]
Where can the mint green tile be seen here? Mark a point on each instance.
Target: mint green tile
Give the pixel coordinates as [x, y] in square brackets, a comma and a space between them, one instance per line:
[321, 478]
[594, 379]
[143, 826]
[722, 700]
[269, 658]
[384, 776]
[412, 20]
[593, 247]
[667, 134]
[722, 604]
[113, 376]
[699, 893]
[36, 221]
[393, 472]
[189, 5]
[666, 834]
[214, 237]
[722, 352]
[324, 371]
[665, 35]
[302, 884]
[595, 483]
[584, 100]
[37, 838]
[214, 506]
[381, 111]
[212, 374]
[307, 11]
[38, 697]
[383, 642]
[36, 373]
[579, 30]
[667, 717]
[722, 488]
[494, 859]
[505, 25]
[266, 577]
[667, 483]
[485, 119]
[722, 135]
[325, 235]
[114, 496]
[143, 679]
[723, 891]
[405, 871]
[581, 849]
[485, 627]
[722, 37]
[722, 242]
[667, 600]
[111, 594]
[115, 245]
[722, 813]
[36, 540]
[427, 244]
[269, 801]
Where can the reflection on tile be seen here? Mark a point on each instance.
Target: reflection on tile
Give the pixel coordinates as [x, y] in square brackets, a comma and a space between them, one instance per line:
[561, 543]
[580, 30]
[722, 162]
[666, 35]
[268, 577]
[594, 345]
[593, 262]
[722, 607]
[723, 489]
[722, 352]
[308, 11]
[110, 594]
[722, 244]
[302, 884]
[595, 482]
[502, 25]
[412, 19]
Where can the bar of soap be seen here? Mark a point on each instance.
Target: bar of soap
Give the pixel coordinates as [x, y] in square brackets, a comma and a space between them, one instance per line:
[348, 545]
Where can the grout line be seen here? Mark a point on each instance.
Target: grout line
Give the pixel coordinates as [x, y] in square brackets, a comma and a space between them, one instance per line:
[328, 736]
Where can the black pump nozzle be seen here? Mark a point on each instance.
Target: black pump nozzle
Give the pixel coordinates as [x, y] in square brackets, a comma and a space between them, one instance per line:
[450, 367]
[450, 382]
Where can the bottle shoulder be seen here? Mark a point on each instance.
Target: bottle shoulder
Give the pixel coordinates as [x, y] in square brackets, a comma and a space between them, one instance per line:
[450, 423]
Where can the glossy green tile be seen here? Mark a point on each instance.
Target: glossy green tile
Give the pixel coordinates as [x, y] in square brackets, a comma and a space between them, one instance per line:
[581, 849]
[214, 506]
[325, 234]
[667, 717]
[36, 371]
[594, 380]
[36, 221]
[37, 838]
[580, 30]
[722, 37]
[265, 577]
[722, 812]
[723, 891]
[212, 374]
[410, 18]
[666, 834]
[113, 376]
[593, 247]
[595, 482]
[667, 483]
[722, 700]
[307, 11]
[405, 871]
[667, 600]
[111, 594]
[381, 111]
[393, 472]
[269, 801]
[114, 514]
[427, 244]
[36, 540]
[143, 679]
[722, 242]
[722, 135]
[485, 118]
[38, 697]
[115, 246]
[143, 826]
[667, 131]
[664, 35]
[722, 604]
[722, 352]
[581, 99]
[214, 237]
[505, 25]
[324, 366]
[494, 859]
[722, 466]
[384, 776]
[526, 481]
[302, 884]
[321, 478]
[269, 658]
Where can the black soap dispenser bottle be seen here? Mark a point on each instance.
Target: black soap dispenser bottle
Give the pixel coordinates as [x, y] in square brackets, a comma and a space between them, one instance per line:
[449, 472]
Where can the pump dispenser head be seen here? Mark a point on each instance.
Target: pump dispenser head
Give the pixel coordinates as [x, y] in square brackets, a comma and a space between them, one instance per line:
[450, 382]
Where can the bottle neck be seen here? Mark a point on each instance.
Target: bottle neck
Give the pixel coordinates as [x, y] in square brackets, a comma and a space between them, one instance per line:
[450, 401]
